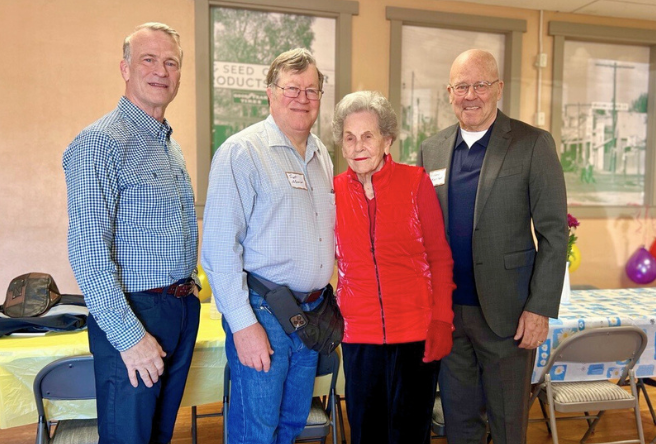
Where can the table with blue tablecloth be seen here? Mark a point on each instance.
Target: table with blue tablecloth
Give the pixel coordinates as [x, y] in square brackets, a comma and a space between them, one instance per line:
[601, 308]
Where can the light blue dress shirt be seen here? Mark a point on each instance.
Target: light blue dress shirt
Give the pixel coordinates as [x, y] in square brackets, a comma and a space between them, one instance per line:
[132, 221]
[268, 212]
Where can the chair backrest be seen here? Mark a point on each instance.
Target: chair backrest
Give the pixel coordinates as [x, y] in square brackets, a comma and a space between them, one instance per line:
[329, 365]
[605, 344]
[65, 379]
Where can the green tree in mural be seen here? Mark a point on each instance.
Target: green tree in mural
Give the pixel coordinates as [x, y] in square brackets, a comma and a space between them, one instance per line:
[640, 104]
[258, 37]
[253, 37]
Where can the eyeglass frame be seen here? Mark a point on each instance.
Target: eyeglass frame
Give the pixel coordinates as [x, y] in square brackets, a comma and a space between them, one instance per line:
[285, 88]
[470, 85]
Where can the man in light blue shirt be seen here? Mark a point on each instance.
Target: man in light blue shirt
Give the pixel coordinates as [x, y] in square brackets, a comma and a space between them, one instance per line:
[132, 242]
[270, 212]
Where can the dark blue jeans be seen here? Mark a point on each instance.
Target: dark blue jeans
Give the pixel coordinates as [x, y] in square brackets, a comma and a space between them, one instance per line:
[390, 393]
[145, 415]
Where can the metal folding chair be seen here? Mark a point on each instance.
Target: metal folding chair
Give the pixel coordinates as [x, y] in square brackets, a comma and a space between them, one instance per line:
[623, 345]
[68, 379]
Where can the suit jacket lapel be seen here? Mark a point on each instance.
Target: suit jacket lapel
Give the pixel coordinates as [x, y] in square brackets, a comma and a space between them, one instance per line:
[494, 157]
[444, 154]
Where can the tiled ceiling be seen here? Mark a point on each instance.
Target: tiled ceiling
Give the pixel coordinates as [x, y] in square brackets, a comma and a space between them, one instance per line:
[631, 9]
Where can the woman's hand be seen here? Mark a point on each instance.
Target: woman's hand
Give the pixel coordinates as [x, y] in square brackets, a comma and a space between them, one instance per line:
[439, 341]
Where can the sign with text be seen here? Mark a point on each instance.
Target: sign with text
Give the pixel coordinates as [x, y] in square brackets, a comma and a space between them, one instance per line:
[250, 97]
[244, 76]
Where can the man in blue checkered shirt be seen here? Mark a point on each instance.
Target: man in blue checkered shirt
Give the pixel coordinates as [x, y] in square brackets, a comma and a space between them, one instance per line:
[132, 242]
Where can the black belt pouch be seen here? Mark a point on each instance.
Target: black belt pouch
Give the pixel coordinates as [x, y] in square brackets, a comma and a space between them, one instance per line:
[286, 309]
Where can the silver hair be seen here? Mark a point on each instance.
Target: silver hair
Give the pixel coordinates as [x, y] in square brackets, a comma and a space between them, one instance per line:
[153, 26]
[371, 101]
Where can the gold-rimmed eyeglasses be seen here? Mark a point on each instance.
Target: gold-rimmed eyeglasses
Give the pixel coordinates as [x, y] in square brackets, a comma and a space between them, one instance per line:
[481, 87]
[293, 92]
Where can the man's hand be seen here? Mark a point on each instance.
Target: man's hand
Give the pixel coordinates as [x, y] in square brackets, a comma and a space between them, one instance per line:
[253, 348]
[144, 357]
[532, 329]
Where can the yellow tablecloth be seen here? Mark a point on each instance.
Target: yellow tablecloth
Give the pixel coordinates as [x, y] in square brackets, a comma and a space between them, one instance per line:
[21, 358]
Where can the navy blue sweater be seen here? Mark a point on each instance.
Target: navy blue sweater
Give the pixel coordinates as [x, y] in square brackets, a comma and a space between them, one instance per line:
[463, 182]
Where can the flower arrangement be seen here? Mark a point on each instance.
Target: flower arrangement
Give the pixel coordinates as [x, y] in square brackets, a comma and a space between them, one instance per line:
[572, 223]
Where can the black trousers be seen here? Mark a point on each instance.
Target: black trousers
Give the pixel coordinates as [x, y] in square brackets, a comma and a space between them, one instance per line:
[389, 393]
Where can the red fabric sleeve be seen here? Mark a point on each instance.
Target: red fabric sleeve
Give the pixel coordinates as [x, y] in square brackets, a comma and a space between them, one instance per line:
[437, 251]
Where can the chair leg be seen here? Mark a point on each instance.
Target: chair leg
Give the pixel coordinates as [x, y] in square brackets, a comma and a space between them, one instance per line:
[641, 387]
[636, 407]
[552, 412]
[545, 416]
[193, 424]
[591, 425]
[342, 429]
[333, 417]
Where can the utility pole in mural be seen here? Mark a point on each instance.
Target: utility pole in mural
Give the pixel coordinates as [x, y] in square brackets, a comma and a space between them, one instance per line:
[604, 130]
[244, 43]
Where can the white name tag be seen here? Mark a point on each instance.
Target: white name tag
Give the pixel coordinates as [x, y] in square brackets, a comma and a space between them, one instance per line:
[297, 180]
[438, 177]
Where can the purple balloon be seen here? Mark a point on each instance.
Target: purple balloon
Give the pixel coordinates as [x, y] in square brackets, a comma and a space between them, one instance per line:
[641, 266]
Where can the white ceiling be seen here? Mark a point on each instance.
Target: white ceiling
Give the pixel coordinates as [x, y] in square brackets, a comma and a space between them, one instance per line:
[636, 9]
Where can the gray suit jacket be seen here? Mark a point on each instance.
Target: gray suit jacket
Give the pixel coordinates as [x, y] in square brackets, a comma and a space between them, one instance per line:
[521, 182]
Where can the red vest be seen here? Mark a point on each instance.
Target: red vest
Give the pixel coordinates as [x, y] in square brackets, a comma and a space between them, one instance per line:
[384, 289]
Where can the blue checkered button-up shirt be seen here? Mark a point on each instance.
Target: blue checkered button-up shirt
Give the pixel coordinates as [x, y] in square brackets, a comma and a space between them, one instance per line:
[269, 212]
[132, 222]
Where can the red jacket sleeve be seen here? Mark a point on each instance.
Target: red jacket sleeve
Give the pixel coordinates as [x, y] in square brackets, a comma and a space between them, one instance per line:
[438, 251]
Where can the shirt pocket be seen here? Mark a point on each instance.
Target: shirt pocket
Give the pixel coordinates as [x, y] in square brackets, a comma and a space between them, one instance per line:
[150, 201]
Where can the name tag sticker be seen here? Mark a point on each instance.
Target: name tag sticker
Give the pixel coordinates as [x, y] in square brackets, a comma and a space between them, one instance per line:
[297, 180]
[438, 177]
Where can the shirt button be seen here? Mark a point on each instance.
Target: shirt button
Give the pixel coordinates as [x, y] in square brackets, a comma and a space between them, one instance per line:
[321, 266]
[320, 239]
[316, 214]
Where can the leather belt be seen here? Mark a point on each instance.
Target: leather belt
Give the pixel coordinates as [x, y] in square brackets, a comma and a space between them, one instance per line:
[304, 297]
[178, 290]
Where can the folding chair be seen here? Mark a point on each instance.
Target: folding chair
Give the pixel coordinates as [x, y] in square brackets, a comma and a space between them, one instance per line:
[437, 421]
[623, 345]
[321, 419]
[71, 379]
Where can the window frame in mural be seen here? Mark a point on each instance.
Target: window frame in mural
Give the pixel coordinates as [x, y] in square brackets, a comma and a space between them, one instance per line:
[607, 136]
[511, 31]
[230, 84]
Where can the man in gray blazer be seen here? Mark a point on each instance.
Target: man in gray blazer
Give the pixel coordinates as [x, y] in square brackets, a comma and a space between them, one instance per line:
[495, 177]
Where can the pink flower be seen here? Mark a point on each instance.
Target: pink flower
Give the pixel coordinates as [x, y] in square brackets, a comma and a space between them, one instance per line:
[572, 222]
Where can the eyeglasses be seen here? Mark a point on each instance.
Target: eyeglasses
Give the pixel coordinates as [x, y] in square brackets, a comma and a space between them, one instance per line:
[293, 92]
[479, 88]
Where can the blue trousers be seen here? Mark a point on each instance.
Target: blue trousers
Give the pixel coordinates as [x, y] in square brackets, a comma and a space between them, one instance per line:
[145, 415]
[270, 407]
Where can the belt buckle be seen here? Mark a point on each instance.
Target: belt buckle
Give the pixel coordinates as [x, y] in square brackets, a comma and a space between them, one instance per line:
[313, 296]
[182, 290]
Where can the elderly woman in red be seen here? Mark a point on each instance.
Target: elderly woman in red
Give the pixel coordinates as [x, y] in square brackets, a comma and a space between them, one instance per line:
[395, 278]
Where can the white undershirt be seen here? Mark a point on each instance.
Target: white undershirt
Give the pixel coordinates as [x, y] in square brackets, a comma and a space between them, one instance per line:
[470, 137]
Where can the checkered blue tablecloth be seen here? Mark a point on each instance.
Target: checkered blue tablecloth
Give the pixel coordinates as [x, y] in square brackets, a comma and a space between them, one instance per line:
[601, 308]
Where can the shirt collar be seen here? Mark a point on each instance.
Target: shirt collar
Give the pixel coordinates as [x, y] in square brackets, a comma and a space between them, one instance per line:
[483, 141]
[277, 138]
[161, 131]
